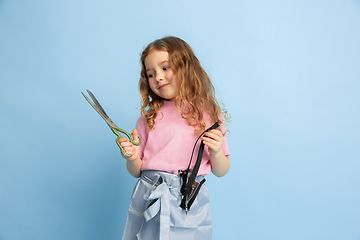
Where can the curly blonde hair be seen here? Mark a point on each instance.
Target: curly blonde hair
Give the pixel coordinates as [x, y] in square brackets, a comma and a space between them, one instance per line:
[197, 93]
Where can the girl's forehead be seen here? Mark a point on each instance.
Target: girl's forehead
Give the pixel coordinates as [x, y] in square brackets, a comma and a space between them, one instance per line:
[156, 57]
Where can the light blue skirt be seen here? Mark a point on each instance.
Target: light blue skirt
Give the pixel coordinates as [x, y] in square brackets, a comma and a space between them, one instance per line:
[154, 211]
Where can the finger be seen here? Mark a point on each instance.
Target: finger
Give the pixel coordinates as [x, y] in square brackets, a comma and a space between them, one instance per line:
[213, 147]
[217, 132]
[210, 141]
[213, 136]
[123, 140]
[126, 144]
[135, 135]
[129, 150]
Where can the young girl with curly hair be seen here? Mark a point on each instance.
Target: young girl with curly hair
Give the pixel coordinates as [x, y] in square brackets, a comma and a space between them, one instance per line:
[178, 104]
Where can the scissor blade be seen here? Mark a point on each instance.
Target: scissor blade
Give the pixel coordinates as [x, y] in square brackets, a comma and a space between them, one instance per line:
[99, 109]
[89, 101]
[97, 103]
[111, 123]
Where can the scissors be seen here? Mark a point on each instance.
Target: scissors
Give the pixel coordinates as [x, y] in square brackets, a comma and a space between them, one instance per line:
[116, 130]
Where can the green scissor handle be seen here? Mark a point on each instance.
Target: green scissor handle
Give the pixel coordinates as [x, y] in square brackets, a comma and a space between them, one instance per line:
[117, 132]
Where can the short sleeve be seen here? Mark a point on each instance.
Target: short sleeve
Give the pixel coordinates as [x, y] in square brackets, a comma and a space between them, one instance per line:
[225, 147]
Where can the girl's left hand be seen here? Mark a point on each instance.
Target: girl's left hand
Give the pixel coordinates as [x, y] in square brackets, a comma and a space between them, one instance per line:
[214, 140]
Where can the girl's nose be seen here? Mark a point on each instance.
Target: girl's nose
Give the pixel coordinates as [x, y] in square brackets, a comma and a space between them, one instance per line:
[159, 78]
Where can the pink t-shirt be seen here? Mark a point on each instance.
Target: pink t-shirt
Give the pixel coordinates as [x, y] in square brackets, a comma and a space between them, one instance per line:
[168, 146]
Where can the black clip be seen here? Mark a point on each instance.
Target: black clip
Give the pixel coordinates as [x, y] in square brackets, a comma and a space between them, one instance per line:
[188, 187]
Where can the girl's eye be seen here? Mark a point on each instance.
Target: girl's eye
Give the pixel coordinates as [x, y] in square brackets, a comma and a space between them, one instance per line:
[150, 75]
[165, 68]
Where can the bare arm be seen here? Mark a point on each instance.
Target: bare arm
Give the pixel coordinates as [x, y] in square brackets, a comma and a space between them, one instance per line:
[220, 164]
[134, 167]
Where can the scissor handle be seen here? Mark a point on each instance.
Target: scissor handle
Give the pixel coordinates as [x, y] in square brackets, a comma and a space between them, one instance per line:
[117, 132]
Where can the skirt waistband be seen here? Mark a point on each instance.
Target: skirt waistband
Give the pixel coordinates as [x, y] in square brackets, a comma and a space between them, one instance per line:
[157, 177]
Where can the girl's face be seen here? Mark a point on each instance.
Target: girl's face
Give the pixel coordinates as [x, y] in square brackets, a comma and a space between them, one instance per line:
[162, 79]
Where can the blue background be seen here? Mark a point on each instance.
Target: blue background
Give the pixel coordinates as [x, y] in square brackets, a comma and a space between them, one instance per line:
[287, 71]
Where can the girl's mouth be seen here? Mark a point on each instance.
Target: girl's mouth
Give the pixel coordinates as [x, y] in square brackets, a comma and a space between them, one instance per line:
[163, 86]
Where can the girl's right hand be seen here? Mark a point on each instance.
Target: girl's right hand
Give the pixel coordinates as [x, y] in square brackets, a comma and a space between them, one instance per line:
[130, 148]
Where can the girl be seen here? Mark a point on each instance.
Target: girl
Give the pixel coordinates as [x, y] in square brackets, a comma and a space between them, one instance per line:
[178, 104]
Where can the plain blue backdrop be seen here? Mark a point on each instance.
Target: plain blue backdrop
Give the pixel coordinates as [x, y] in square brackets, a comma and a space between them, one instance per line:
[287, 71]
